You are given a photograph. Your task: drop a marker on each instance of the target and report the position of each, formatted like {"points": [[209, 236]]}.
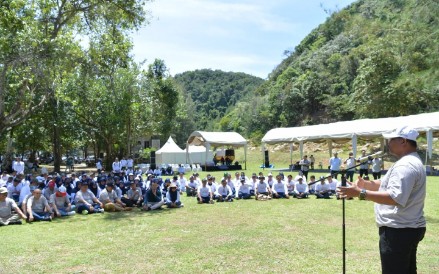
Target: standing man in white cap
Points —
{"points": [[399, 202]]}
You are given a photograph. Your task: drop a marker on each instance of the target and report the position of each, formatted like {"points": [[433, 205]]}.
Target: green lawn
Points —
{"points": [[278, 236]]}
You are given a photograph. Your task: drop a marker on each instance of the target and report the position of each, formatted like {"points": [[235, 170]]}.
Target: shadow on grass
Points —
{"points": [[432, 220], [136, 213]]}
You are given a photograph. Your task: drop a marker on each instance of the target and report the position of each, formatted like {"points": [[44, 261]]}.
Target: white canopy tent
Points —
{"points": [[216, 139], [170, 153], [198, 154], [339, 132]]}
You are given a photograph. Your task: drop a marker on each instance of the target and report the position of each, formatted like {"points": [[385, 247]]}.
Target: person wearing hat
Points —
{"points": [[109, 199], [225, 193], [270, 180], [173, 197], [60, 203], [86, 202], [165, 187], [399, 202], [334, 165], [322, 189], [153, 197], [300, 189], [134, 195], [205, 195], [7, 208], [38, 208], [49, 189]]}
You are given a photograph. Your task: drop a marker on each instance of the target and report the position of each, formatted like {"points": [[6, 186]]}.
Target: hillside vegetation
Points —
{"points": [[375, 58], [210, 93]]}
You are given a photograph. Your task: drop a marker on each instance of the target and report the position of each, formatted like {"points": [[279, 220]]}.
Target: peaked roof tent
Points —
{"points": [[217, 139], [346, 131], [169, 146]]}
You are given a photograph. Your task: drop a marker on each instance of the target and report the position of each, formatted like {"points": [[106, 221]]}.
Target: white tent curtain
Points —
{"points": [[429, 143], [354, 145]]}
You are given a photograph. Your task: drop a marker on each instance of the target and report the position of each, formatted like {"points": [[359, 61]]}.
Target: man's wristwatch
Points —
{"points": [[363, 194]]}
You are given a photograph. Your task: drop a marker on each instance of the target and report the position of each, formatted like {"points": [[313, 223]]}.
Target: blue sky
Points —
{"points": [[242, 36]]}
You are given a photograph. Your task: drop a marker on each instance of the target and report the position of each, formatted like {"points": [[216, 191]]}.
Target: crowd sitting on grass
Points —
{"points": [[49, 196]]}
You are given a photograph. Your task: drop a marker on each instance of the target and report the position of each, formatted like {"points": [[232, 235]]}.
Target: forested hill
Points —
{"points": [[210, 93], [375, 58]]}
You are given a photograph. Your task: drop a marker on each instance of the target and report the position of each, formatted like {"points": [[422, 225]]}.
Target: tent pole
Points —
{"points": [[245, 157], [263, 155]]}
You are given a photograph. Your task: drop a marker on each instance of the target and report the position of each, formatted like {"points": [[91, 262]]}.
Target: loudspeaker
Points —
{"points": [[266, 159], [152, 157]]}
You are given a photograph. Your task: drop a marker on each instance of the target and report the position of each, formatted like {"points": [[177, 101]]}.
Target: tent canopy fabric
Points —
{"points": [[169, 146], [426, 123], [344, 131], [216, 139], [170, 153]]}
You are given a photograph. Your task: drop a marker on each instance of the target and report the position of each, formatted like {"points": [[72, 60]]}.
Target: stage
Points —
{"points": [[221, 168]]}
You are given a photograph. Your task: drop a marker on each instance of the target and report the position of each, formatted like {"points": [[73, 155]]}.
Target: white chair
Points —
{"points": [[187, 168]]}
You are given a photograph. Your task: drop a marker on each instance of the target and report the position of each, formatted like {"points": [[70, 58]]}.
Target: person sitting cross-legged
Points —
{"points": [[134, 196], [7, 208], [173, 197], [109, 199], [153, 197], [60, 203], [279, 189], [225, 193], [301, 189], [322, 189], [86, 201], [191, 188], [244, 190], [263, 190], [205, 195], [290, 185], [38, 208]]}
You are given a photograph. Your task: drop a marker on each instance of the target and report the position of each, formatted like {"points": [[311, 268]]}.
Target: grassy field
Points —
{"points": [[278, 236]]}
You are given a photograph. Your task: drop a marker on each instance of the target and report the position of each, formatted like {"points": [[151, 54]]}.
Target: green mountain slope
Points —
{"points": [[375, 58], [210, 93]]}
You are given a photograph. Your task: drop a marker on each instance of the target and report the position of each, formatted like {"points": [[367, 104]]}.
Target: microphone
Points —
{"points": [[370, 157]]}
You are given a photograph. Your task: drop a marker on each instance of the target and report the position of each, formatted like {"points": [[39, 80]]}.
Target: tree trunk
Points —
{"points": [[56, 138], [109, 158], [7, 157]]}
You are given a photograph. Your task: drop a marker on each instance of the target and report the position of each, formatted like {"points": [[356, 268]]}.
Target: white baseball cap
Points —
{"points": [[405, 132]]}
